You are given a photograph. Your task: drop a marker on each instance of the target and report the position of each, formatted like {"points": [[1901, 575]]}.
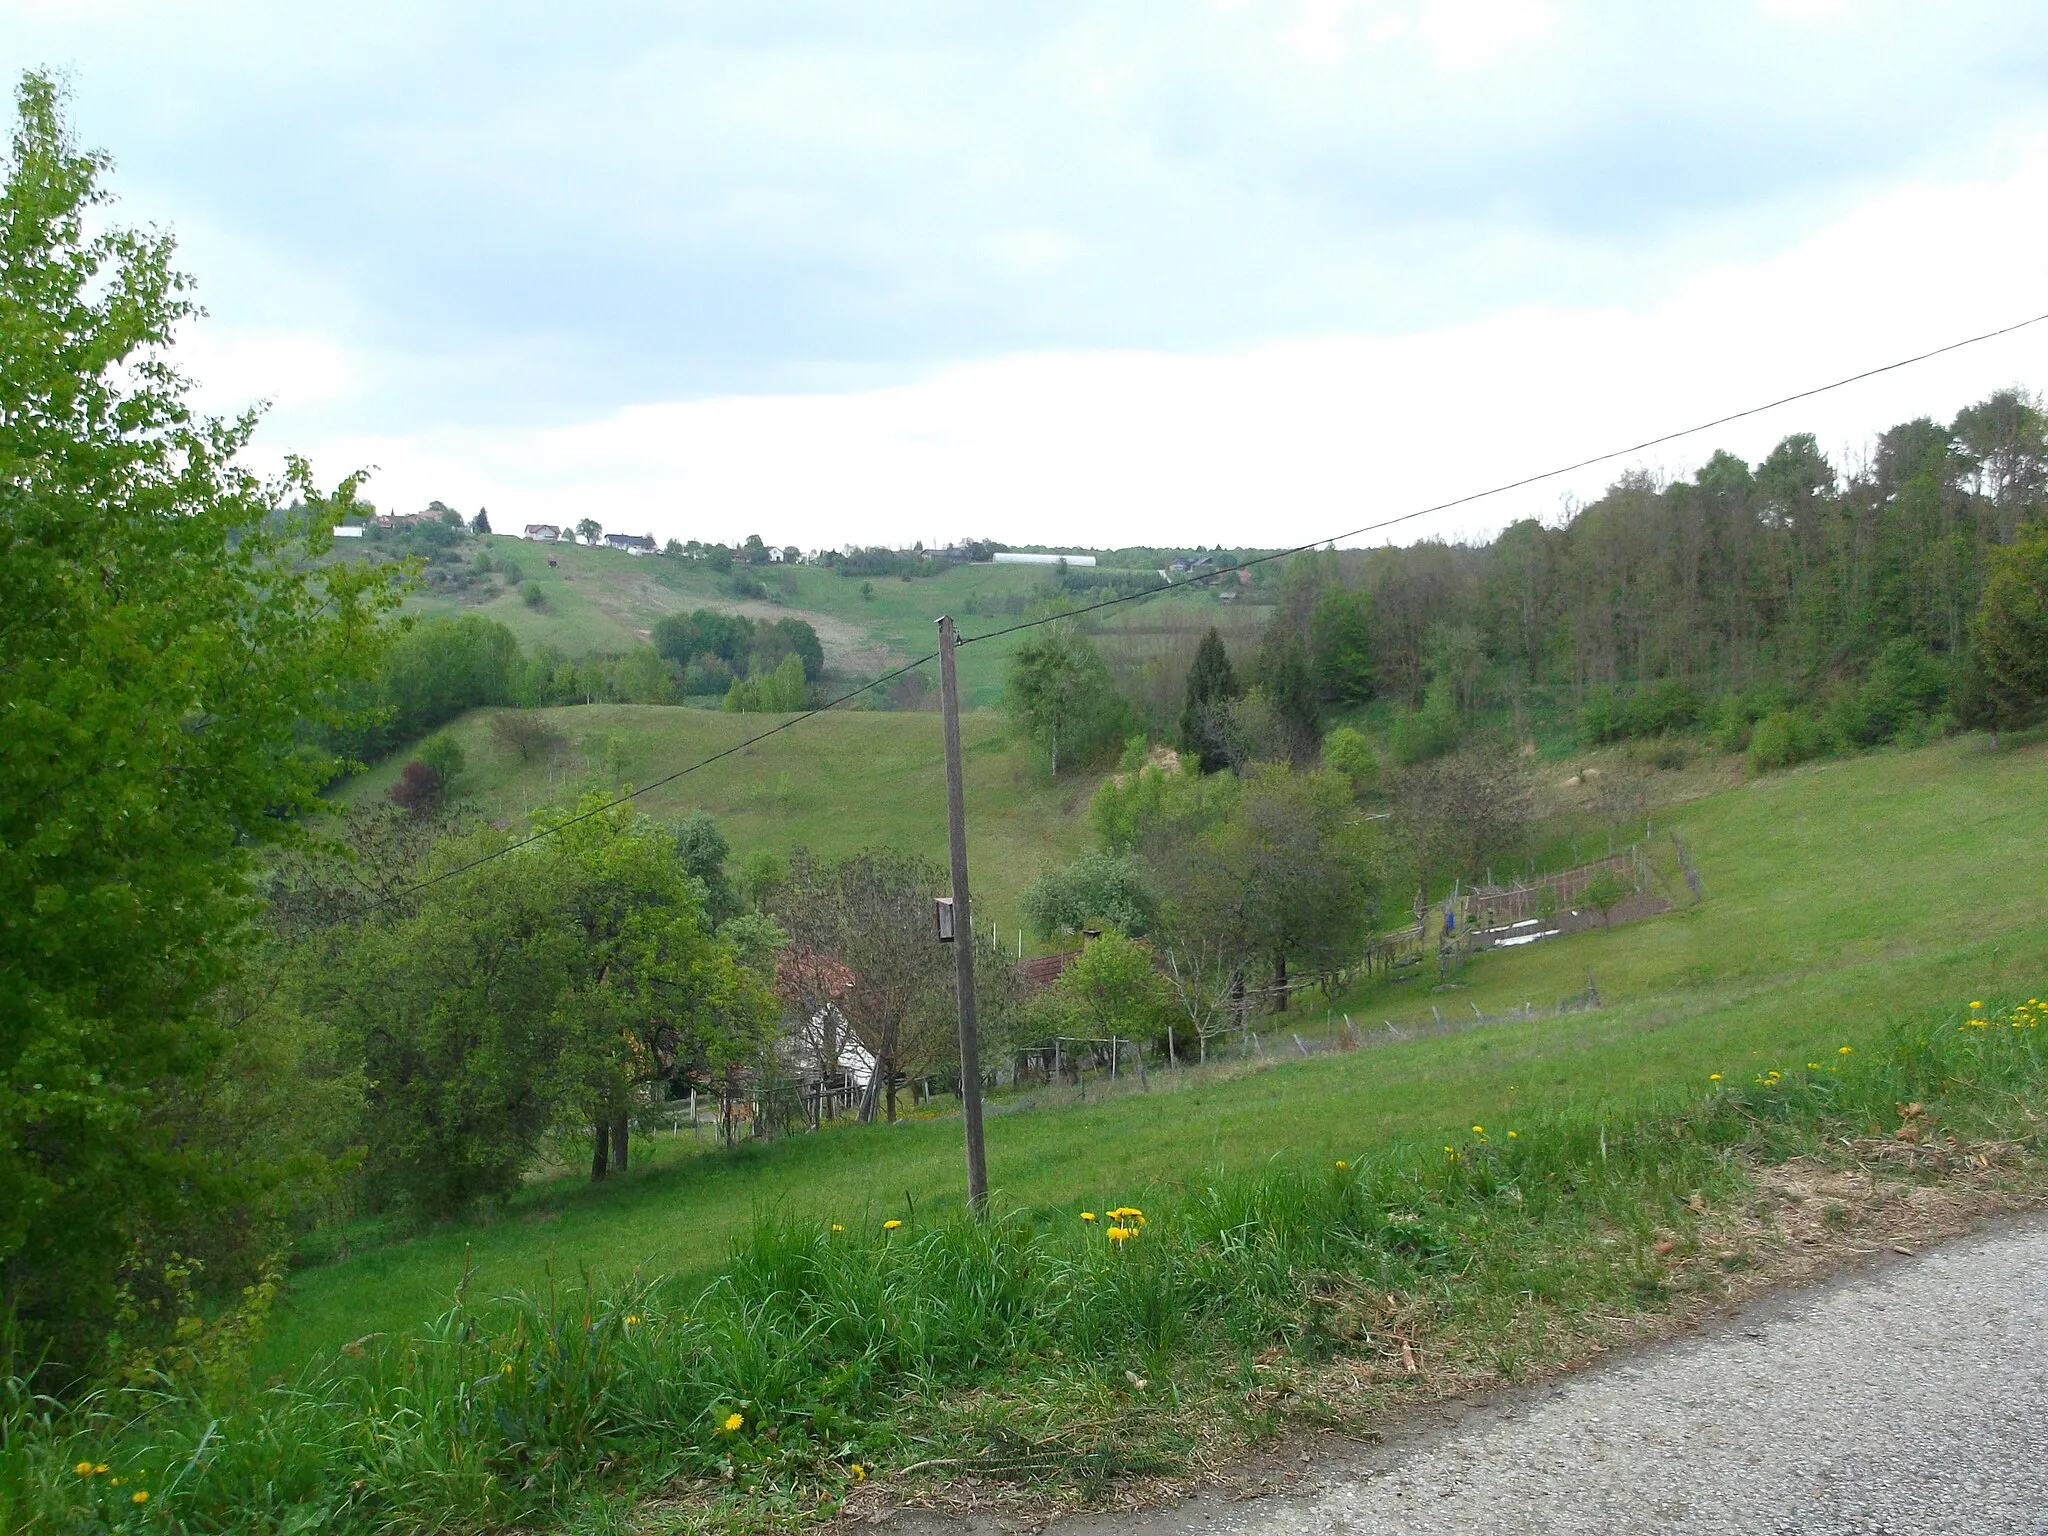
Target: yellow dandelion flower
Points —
{"points": [[1478, 1130], [83, 1469], [860, 1473], [1120, 1235], [1087, 1215], [731, 1423], [1512, 1135], [837, 1228], [1342, 1165], [100, 1470], [632, 1319], [139, 1496], [1713, 1077], [891, 1224], [1813, 1066], [1846, 1050], [505, 1369]]}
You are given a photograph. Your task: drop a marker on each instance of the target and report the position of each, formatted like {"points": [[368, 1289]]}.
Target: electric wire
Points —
{"points": [[1207, 576], [1526, 480]]}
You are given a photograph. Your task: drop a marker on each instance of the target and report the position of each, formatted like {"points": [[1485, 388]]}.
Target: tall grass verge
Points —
{"points": [[1037, 1346]]}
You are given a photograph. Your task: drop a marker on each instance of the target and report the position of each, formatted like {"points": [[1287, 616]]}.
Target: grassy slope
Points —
{"points": [[1839, 897], [605, 600], [835, 784]]}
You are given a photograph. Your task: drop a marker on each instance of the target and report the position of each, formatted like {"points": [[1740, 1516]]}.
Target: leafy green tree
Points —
{"points": [[589, 529], [169, 634], [1288, 877], [1346, 751], [481, 523], [703, 850], [1097, 888], [1604, 892], [1060, 694], [1340, 644], [2011, 628], [443, 753], [1212, 688], [1112, 989]]}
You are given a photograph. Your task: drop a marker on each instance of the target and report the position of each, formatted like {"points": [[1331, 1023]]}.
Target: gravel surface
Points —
{"points": [[1911, 1397]]}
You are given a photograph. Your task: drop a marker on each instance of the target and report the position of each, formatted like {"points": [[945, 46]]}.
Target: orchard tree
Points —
{"points": [[589, 530], [170, 635]]}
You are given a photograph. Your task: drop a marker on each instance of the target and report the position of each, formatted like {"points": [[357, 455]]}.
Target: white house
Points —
{"points": [[349, 531], [543, 533]]}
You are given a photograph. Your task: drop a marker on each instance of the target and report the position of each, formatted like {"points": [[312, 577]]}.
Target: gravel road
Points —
{"points": [[1910, 1397]]}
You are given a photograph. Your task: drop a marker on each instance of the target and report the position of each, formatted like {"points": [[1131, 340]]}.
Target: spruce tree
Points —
{"points": [[1212, 686]]}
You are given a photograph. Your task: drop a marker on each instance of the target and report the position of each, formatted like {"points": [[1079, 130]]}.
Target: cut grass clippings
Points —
{"points": [[1037, 1353]]}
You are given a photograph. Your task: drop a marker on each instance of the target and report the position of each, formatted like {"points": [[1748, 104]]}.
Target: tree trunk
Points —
{"points": [[600, 1142], [1279, 981], [619, 1129]]}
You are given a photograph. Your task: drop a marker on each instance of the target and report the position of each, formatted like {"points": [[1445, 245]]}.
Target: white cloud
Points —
{"points": [[1291, 442]]}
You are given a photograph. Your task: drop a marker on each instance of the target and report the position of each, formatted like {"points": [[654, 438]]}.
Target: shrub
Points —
{"points": [[418, 788], [536, 599], [1431, 731], [1783, 738], [1349, 753]]}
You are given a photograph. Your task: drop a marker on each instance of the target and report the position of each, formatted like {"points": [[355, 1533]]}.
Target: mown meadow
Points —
{"points": [[1840, 899]]}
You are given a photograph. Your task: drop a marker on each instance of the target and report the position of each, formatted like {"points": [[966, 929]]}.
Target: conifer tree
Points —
{"points": [[1212, 688]]}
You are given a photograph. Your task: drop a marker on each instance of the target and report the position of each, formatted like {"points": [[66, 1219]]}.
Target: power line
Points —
{"points": [[1528, 480], [1280, 554], [634, 794]]}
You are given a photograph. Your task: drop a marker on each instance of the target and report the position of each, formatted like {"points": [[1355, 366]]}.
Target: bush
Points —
{"points": [[1655, 709], [1347, 752], [1784, 738], [536, 599], [1431, 731], [418, 789]]}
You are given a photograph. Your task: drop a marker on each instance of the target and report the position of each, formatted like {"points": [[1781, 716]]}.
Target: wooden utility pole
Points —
{"points": [[963, 928]]}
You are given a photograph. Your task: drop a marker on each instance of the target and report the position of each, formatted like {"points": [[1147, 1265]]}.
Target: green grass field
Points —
{"points": [[845, 781], [1840, 898]]}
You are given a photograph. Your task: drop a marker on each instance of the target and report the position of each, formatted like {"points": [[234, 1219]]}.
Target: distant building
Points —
{"points": [[348, 531], [543, 533], [1014, 557], [631, 543], [395, 520]]}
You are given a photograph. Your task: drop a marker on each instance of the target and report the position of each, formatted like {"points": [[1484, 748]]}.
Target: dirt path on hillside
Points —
{"points": [[1909, 1396]]}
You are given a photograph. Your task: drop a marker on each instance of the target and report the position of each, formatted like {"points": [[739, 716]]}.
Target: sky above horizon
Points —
{"points": [[1076, 273]]}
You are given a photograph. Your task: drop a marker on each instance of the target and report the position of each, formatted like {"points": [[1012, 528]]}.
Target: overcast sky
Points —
{"points": [[1065, 272]]}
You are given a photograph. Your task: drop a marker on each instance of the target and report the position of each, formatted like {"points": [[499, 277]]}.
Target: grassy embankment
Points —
{"points": [[834, 785], [1841, 899]]}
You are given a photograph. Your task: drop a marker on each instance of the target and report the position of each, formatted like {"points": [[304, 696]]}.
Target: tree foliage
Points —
{"points": [[1060, 694], [1204, 718], [2011, 628], [167, 637]]}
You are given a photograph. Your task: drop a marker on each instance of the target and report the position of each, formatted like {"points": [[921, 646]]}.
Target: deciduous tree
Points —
{"points": [[167, 632]]}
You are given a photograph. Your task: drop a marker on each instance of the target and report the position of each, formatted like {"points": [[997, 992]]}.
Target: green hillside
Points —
{"points": [[604, 600], [1839, 899], [843, 781]]}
